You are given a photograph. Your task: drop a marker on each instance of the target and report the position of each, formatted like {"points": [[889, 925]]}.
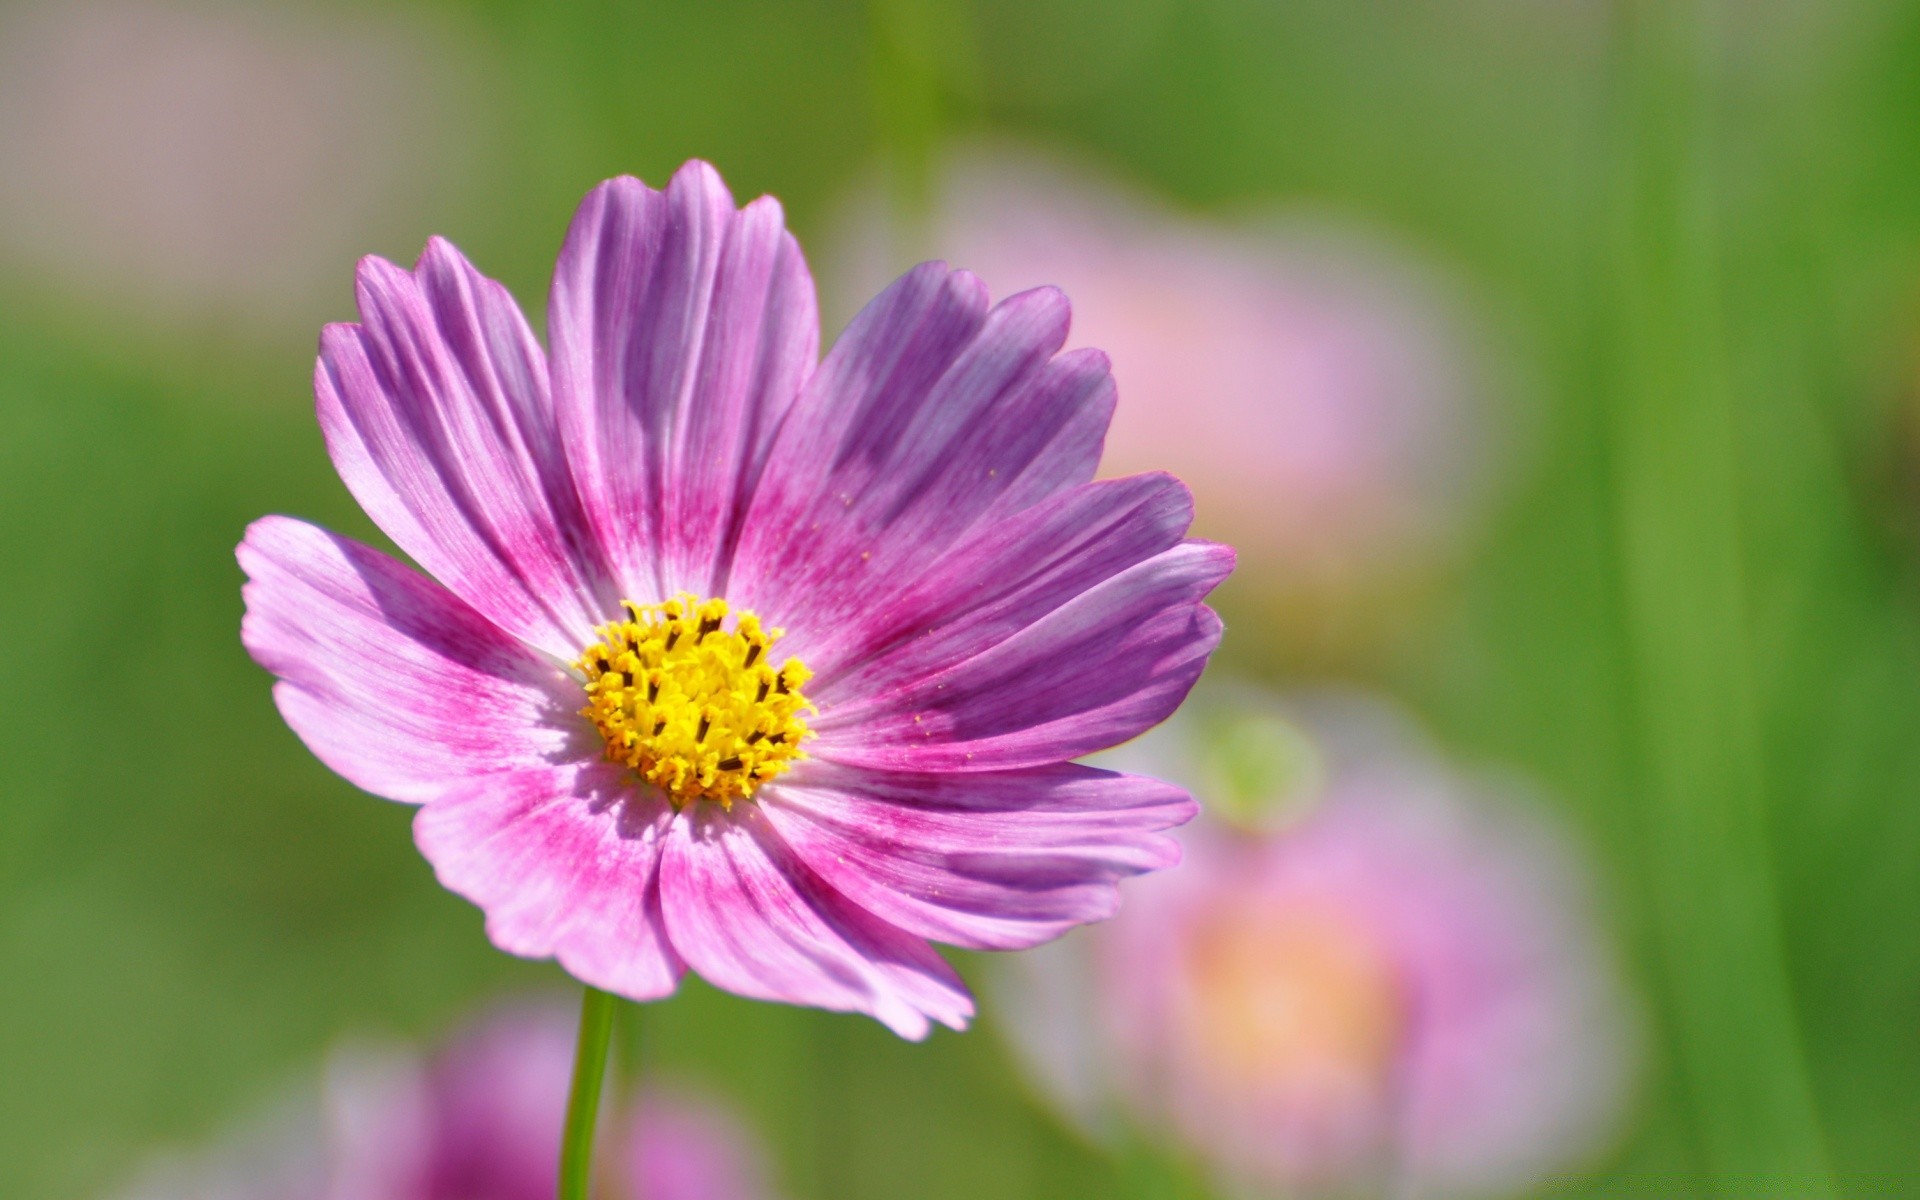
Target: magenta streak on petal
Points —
{"points": [[436, 412], [749, 917], [1003, 577], [389, 678], [931, 413], [986, 860], [564, 861], [681, 333], [1094, 672]]}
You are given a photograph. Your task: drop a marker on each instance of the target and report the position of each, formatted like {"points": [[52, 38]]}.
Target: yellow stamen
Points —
{"points": [[692, 706]]}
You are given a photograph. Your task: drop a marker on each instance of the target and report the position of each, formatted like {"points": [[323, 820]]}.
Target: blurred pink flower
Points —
{"points": [[198, 159], [681, 1146], [479, 1119], [1401, 991], [1311, 386]]}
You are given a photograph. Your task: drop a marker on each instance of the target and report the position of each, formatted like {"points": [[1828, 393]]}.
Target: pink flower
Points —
{"points": [[479, 1119], [680, 1146], [1312, 385], [1399, 991], [735, 662]]}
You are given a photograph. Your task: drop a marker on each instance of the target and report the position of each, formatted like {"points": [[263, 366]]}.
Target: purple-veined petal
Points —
{"points": [[1002, 578], [932, 413], [682, 329], [1092, 673], [389, 678], [986, 860], [564, 861], [751, 918], [437, 414]]}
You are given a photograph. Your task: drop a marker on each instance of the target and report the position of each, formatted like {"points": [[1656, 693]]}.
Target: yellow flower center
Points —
{"points": [[692, 706]]}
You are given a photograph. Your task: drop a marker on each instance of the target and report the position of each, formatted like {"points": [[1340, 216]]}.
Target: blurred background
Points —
{"points": [[1553, 363]]}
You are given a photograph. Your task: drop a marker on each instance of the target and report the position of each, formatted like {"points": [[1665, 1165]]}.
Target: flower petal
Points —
{"points": [[985, 860], [1092, 673], [389, 678], [682, 329], [565, 863], [750, 918], [436, 412], [931, 414], [999, 580]]}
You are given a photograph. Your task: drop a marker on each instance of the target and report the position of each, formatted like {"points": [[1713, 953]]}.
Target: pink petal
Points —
{"points": [[389, 678], [436, 412], [986, 860], [931, 414], [1002, 578], [1092, 673], [682, 330], [750, 918], [564, 861]]}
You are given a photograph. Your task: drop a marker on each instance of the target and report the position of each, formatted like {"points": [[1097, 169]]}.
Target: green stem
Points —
{"points": [[583, 1102]]}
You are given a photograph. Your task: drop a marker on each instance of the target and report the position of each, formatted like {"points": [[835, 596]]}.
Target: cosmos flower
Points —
{"points": [[1392, 988], [731, 661], [1313, 384], [478, 1119]]}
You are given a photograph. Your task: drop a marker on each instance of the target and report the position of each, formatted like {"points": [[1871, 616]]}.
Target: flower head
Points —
{"points": [[1398, 989], [731, 660], [477, 1119]]}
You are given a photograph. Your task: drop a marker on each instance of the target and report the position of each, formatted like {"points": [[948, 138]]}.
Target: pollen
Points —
{"points": [[692, 702]]}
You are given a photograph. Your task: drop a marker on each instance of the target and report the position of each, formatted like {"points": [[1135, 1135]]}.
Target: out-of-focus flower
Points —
{"points": [[681, 1146], [1313, 386], [479, 1119], [732, 662], [209, 160], [1395, 987]]}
